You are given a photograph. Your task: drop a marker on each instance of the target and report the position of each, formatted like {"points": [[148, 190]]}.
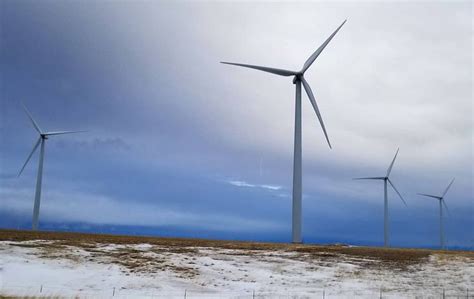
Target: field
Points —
{"points": [[86, 265]]}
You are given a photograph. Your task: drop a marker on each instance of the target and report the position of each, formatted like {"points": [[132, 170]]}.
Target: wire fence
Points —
{"points": [[122, 292]]}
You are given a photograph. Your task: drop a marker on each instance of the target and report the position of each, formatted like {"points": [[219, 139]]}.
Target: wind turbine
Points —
{"points": [[441, 203], [298, 79], [41, 140], [385, 205]]}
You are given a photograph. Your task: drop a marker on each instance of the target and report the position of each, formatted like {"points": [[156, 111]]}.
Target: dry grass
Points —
{"points": [[135, 261]]}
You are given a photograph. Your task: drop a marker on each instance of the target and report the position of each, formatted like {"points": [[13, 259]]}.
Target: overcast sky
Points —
{"points": [[177, 141]]}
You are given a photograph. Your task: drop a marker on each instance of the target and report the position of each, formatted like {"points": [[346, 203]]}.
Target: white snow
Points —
{"points": [[67, 271]]}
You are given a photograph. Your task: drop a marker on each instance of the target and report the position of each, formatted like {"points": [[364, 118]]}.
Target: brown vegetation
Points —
{"points": [[136, 261]]}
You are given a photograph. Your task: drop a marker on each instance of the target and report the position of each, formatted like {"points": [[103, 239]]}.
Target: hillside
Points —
{"points": [[87, 265]]}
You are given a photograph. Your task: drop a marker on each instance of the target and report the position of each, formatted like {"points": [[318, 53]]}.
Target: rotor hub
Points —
{"points": [[298, 76]]}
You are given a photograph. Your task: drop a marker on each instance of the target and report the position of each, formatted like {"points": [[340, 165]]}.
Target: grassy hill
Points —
{"points": [[168, 266]]}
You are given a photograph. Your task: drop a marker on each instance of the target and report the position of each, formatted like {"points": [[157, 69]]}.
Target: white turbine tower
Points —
{"points": [[41, 140], [298, 78], [385, 205], [441, 203]]}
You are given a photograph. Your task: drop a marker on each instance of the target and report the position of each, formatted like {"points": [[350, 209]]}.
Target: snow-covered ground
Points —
{"points": [[51, 268]]}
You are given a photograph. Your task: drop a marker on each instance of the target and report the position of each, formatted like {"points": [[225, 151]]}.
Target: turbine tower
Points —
{"points": [[41, 140], [441, 203], [298, 79], [386, 180]]}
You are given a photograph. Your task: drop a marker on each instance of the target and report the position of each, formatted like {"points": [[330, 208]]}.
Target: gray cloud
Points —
{"points": [[104, 144], [408, 84], [59, 206]]}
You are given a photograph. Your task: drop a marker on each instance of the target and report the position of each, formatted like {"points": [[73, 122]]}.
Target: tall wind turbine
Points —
{"points": [[386, 179], [41, 140], [298, 78], [441, 203]]}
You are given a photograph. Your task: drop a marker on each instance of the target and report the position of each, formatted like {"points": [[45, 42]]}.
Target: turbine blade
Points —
{"points": [[370, 178], [393, 161], [315, 55], [309, 92], [31, 118], [446, 207], [62, 132], [31, 154], [265, 69], [427, 195], [394, 188], [447, 188]]}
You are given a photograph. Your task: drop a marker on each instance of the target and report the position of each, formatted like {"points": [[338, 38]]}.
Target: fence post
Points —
{"points": [[444, 295], [380, 293], [41, 289], [113, 292], [324, 294], [185, 294], [253, 294], [467, 293]]}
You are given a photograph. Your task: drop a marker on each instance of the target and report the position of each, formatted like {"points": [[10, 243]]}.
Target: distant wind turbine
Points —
{"points": [[441, 203], [298, 78], [385, 180], [41, 140]]}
